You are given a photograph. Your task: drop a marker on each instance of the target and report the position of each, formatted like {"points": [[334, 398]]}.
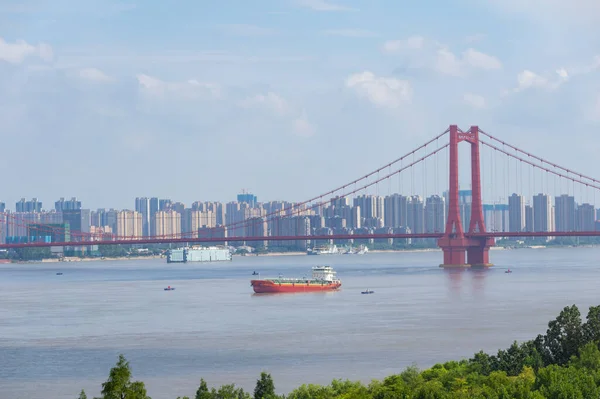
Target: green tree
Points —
{"points": [[82, 395], [265, 388], [589, 357], [202, 392], [119, 385], [556, 382], [31, 253], [563, 337], [229, 391], [591, 328]]}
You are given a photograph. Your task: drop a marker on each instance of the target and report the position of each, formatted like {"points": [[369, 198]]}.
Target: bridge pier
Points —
{"points": [[479, 255], [454, 250]]}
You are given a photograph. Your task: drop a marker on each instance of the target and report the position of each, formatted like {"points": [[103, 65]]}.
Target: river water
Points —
{"points": [[62, 333]]}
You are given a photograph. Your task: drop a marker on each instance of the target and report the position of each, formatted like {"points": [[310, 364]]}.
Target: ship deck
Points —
{"points": [[299, 281]]}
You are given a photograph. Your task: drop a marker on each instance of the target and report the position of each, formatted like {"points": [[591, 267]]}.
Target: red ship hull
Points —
{"points": [[264, 286]]}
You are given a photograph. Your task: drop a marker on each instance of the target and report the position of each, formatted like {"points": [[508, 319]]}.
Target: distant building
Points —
{"points": [[395, 210], [142, 206], [435, 214], [496, 217], [257, 227], [28, 206], [167, 224], [586, 217], [542, 213], [129, 224], [70, 205], [248, 198], [528, 218], [79, 222], [516, 213], [565, 215]]}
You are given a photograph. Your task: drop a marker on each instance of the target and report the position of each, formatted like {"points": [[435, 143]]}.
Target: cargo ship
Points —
{"points": [[323, 279]]}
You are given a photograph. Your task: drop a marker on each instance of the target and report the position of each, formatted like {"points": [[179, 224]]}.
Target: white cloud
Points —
{"points": [[95, 75], [480, 60], [428, 54], [302, 127], [323, 5], [531, 80], [383, 92], [412, 43], [350, 32], [551, 81], [270, 100], [190, 89], [16, 52], [245, 30], [474, 100], [447, 63]]}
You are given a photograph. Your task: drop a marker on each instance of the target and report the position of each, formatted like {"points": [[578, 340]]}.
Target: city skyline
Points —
{"points": [[280, 90], [360, 214]]}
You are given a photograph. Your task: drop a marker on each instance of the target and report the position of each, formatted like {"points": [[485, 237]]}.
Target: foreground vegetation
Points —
{"points": [[562, 364]]}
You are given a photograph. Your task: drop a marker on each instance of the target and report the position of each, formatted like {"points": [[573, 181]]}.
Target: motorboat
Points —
{"points": [[169, 288], [508, 271], [367, 292]]}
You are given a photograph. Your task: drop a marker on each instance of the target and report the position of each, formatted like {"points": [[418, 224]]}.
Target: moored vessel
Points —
{"points": [[323, 279]]}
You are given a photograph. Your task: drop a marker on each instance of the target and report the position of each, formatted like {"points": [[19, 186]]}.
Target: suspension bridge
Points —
{"points": [[462, 245]]}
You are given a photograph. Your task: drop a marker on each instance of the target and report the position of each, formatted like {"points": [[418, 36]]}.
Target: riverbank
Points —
{"points": [[101, 259]]}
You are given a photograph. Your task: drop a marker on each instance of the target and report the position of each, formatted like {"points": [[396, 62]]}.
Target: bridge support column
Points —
{"points": [[454, 243]]}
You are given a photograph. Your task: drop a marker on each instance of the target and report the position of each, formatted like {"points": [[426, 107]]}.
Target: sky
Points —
{"points": [[199, 100]]}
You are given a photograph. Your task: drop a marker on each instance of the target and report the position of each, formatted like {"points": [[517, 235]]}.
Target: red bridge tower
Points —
{"points": [[454, 244]]}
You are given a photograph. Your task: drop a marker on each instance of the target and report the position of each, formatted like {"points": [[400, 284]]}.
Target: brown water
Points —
{"points": [[59, 334]]}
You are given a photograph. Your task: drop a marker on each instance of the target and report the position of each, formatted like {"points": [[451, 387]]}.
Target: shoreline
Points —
{"points": [[270, 254]]}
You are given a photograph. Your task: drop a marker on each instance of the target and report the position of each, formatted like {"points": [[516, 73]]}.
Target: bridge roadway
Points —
{"points": [[212, 240]]}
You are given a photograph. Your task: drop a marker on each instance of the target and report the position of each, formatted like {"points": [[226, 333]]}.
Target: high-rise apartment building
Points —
{"points": [[528, 218], [565, 215], [142, 206], [516, 213], [28, 206], [586, 217], [257, 227], [167, 224], [248, 198], [496, 217], [542, 213], [435, 214], [71, 205], [129, 224], [395, 210], [415, 214]]}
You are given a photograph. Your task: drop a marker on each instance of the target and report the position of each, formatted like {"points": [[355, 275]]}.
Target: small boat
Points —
{"points": [[367, 292], [169, 288], [59, 274], [508, 271], [255, 274]]}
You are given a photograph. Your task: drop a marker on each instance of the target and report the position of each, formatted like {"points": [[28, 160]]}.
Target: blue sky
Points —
{"points": [[195, 100]]}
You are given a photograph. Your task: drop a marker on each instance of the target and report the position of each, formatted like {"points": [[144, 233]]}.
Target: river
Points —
{"points": [[62, 333]]}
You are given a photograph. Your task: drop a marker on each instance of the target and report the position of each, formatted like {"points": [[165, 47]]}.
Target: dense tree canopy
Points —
{"points": [[563, 363]]}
